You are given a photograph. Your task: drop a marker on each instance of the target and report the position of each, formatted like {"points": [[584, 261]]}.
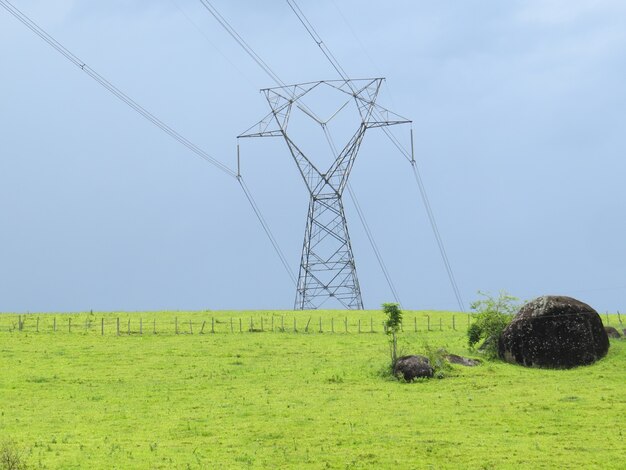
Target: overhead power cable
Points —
{"points": [[433, 224], [113, 89], [266, 228], [337, 66], [409, 156], [268, 70], [370, 237], [30, 24], [317, 38], [208, 40], [366, 227], [244, 45]]}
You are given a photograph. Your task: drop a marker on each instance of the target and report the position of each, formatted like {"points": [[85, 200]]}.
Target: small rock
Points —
{"points": [[612, 332], [462, 361], [412, 367]]}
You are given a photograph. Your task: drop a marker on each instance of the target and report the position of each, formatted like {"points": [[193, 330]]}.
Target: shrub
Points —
{"points": [[393, 324], [492, 316], [438, 360], [11, 458]]}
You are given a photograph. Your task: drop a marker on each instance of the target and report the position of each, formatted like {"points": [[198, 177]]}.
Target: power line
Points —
{"points": [[366, 228], [433, 224], [370, 237], [266, 228], [317, 38], [410, 157], [268, 70], [30, 24], [342, 73], [113, 89], [206, 37], [244, 45], [363, 48]]}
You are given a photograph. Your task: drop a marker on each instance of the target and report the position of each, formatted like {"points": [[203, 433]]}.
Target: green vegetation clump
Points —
{"points": [[393, 324], [11, 456], [492, 316], [438, 360]]}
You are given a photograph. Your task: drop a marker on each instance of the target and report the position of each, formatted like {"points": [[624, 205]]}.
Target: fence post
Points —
{"points": [[272, 323], [282, 323], [154, 326], [240, 328], [118, 326], [371, 325], [37, 324], [321, 331], [54, 324], [128, 326], [415, 324], [359, 325], [262, 327], [306, 328], [428, 319], [202, 329], [332, 324], [231, 325], [140, 326], [440, 324], [69, 325], [345, 322], [102, 326], [213, 324], [251, 325], [176, 324], [607, 317], [453, 323], [295, 325], [190, 327], [619, 318]]}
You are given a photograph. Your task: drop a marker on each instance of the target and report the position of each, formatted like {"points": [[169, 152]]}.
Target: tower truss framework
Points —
{"points": [[327, 266]]}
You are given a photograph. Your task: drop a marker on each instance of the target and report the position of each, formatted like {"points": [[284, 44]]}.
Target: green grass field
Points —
{"points": [[285, 399]]}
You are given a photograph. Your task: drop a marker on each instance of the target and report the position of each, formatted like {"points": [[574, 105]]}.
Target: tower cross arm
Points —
{"points": [[272, 133], [382, 117], [262, 128], [373, 124]]}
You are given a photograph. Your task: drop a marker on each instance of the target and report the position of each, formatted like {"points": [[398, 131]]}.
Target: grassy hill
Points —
{"points": [[71, 397]]}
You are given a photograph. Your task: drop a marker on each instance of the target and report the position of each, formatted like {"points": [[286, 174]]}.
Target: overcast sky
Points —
{"points": [[520, 135]]}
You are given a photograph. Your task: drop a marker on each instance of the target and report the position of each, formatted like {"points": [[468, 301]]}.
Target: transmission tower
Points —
{"points": [[327, 267]]}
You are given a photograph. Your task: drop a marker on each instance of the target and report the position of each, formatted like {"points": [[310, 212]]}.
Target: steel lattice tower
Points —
{"points": [[327, 267]]}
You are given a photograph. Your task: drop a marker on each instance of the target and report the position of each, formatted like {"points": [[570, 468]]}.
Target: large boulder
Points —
{"points": [[412, 367], [555, 332]]}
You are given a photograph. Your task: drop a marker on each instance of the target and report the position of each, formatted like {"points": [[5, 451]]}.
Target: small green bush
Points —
{"points": [[393, 324], [11, 457], [492, 316], [438, 360]]}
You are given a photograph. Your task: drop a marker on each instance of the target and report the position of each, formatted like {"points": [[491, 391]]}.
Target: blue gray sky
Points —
{"points": [[518, 111]]}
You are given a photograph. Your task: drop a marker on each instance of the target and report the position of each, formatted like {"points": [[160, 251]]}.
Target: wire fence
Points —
{"points": [[137, 325], [177, 325]]}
